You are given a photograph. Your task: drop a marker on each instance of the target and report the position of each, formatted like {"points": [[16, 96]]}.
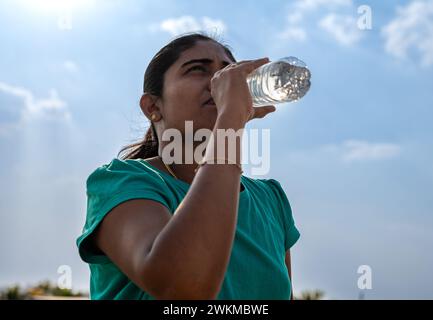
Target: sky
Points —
{"points": [[354, 156]]}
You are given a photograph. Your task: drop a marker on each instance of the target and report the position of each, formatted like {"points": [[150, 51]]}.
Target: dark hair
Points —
{"points": [[153, 84]]}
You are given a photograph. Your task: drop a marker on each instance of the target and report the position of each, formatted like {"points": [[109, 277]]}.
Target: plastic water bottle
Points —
{"points": [[283, 80]]}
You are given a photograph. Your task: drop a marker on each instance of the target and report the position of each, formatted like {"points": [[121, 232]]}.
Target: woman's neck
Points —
{"points": [[183, 170]]}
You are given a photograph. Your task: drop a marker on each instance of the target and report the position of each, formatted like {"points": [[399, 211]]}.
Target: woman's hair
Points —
{"points": [[153, 84]]}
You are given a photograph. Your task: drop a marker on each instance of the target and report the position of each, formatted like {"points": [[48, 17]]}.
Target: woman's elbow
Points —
{"points": [[170, 285]]}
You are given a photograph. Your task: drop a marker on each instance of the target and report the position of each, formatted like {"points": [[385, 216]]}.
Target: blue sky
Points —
{"points": [[354, 155]]}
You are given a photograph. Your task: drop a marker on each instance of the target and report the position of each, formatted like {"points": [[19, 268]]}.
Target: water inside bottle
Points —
{"points": [[285, 80]]}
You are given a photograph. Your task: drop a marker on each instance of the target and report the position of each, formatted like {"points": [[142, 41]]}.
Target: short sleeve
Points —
{"points": [[291, 234], [109, 186]]}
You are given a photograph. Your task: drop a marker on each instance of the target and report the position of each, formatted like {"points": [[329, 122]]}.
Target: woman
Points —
{"points": [[186, 231]]}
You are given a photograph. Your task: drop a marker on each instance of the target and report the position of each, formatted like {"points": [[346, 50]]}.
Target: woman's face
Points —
{"points": [[187, 87]]}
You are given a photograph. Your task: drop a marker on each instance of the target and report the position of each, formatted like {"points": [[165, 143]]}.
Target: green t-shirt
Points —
{"points": [[265, 231]]}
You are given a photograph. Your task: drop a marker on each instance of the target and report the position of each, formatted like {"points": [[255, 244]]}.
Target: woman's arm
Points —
{"points": [[183, 256], [289, 268]]}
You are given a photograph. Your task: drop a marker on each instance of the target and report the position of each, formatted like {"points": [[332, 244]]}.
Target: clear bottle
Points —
{"points": [[283, 80]]}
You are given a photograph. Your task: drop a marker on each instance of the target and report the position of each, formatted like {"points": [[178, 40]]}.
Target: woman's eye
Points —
{"points": [[198, 68]]}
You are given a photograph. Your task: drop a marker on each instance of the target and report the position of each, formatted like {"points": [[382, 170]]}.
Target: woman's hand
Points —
{"points": [[230, 92]]}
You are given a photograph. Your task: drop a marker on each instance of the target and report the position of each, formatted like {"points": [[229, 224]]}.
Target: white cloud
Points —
{"points": [[411, 30], [342, 28], [176, 26], [293, 33], [31, 108], [305, 5], [213, 25], [348, 151], [70, 66], [358, 150], [299, 9], [295, 17]]}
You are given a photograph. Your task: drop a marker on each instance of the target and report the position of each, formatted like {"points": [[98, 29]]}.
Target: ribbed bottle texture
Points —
{"points": [[283, 80]]}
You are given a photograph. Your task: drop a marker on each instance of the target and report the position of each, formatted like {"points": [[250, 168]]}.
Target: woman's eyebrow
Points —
{"points": [[204, 61]]}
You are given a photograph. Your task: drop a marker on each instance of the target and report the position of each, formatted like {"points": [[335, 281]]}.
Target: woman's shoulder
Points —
{"points": [[122, 170], [113, 183], [263, 183], [122, 164], [267, 189]]}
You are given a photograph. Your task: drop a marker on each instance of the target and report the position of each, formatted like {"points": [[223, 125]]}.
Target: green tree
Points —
{"points": [[44, 288], [311, 295], [13, 293]]}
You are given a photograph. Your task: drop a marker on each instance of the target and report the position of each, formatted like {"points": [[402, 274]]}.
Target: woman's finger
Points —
{"points": [[260, 112], [250, 65]]}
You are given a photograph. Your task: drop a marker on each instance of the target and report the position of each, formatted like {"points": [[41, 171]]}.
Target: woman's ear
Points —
{"points": [[148, 105]]}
